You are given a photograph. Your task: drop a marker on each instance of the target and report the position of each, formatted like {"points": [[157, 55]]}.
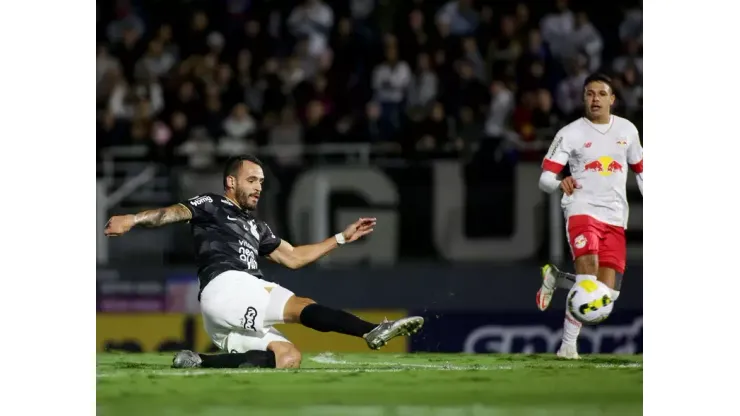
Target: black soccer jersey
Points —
{"points": [[226, 237]]}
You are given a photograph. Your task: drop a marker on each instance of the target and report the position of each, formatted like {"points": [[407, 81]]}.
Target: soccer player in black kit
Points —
{"points": [[239, 307]]}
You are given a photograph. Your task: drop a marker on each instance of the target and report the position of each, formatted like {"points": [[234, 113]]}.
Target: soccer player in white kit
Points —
{"points": [[240, 307], [598, 149]]}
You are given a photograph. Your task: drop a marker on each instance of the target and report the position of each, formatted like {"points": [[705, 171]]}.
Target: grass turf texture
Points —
{"points": [[374, 385]]}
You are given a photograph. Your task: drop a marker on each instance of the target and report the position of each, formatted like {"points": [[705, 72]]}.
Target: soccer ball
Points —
{"points": [[590, 302]]}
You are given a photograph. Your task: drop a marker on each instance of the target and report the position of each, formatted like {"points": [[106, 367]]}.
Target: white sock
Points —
{"points": [[571, 327]]}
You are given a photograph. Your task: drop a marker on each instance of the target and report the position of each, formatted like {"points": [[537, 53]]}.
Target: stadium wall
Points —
{"points": [[468, 308], [442, 211]]}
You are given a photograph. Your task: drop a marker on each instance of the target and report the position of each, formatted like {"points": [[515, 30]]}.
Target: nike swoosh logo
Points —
{"points": [[232, 219]]}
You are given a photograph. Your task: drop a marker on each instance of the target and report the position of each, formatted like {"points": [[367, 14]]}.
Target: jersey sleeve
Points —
{"points": [[558, 154], [201, 207], [634, 153], [268, 241]]}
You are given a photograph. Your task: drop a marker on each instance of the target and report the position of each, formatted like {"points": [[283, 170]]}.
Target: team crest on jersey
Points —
{"points": [[604, 166], [253, 229], [622, 142], [581, 241]]}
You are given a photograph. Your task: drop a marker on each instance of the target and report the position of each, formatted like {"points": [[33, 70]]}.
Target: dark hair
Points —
{"points": [[231, 168], [599, 77]]}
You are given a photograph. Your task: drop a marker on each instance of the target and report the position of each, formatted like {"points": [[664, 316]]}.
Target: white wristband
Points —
{"points": [[340, 238]]}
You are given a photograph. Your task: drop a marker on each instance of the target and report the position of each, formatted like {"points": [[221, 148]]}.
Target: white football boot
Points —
{"points": [[568, 352], [549, 284]]}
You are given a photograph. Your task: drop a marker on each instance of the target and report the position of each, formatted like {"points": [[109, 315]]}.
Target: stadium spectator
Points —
{"points": [[432, 133], [125, 21], [424, 86], [391, 80], [472, 55], [631, 57], [631, 91], [105, 63], [350, 81], [469, 131], [313, 20], [631, 26], [569, 96], [504, 51], [287, 132], [126, 99], [156, 62], [556, 28], [128, 51], [461, 17], [239, 124], [499, 111], [587, 40]]}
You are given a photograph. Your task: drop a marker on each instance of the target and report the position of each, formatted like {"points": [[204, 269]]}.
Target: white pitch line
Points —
{"points": [[328, 358], [195, 373], [631, 365]]}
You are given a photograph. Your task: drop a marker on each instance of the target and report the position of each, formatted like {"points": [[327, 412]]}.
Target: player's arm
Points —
{"points": [[121, 224], [553, 163], [163, 216], [634, 158], [296, 257]]}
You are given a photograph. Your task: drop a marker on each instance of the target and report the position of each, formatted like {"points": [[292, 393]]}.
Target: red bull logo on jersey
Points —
{"points": [[604, 165]]}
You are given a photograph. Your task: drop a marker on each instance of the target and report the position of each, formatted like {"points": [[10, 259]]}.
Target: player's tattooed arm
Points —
{"points": [[121, 224], [162, 216]]}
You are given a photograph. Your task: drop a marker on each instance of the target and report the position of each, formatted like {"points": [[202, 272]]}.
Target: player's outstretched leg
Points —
{"points": [[325, 319], [190, 359], [552, 279], [549, 285]]}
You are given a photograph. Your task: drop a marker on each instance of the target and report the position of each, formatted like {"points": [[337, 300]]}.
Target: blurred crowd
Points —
{"points": [[418, 78]]}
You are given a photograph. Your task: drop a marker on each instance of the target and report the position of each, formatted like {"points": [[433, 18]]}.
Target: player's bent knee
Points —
{"points": [[286, 354], [291, 359]]}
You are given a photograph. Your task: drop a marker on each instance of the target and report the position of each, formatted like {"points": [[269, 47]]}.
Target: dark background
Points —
{"points": [[182, 85]]}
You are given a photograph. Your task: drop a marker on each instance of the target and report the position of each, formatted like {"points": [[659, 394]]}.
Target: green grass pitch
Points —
{"points": [[375, 384]]}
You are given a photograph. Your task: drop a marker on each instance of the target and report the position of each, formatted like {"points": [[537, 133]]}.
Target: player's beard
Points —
{"points": [[242, 197]]}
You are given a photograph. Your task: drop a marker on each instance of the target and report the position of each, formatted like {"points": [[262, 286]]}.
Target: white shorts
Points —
{"points": [[239, 312]]}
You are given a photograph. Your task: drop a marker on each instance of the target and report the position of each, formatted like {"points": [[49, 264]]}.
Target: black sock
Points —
{"points": [[262, 359], [325, 319]]}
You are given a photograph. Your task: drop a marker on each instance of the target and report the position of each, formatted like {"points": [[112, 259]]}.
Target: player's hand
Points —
{"points": [[569, 185], [119, 225], [359, 229]]}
